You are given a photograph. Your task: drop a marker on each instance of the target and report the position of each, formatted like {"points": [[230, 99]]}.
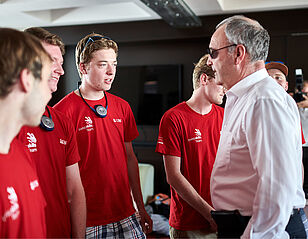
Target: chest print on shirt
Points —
{"points": [[197, 136], [62, 141], [117, 120], [89, 124], [14, 211], [31, 142]]}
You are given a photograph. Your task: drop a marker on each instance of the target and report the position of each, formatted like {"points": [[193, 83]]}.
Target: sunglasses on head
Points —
{"points": [[93, 39], [214, 52]]}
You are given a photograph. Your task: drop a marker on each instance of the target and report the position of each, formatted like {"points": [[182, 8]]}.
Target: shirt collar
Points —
{"points": [[241, 87]]}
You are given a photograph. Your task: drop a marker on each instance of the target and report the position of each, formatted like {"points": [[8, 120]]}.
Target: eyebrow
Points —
{"points": [[106, 61]]}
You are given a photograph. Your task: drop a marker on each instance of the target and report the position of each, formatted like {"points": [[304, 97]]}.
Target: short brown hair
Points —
{"points": [[90, 44], [202, 68], [18, 51], [47, 37]]}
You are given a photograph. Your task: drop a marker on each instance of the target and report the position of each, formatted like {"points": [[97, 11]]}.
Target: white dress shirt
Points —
{"points": [[258, 163]]}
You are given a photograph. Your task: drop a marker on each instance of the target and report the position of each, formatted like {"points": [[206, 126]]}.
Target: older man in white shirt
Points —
{"points": [[258, 164]]}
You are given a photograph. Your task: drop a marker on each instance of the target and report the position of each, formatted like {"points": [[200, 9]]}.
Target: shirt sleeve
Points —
{"points": [[273, 136], [130, 127], [169, 138], [72, 153]]}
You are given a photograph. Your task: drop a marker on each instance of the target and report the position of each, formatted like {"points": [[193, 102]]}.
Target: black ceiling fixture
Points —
{"points": [[175, 12]]}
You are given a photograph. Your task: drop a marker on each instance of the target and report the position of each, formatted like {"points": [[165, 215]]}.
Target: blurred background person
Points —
{"points": [[24, 92]]}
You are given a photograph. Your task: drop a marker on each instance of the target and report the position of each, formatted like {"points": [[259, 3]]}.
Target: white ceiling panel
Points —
{"points": [[25, 13]]}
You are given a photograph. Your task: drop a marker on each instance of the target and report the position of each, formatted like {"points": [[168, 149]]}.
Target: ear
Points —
{"points": [[203, 79], [83, 68], [240, 53], [26, 80], [287, 86]]}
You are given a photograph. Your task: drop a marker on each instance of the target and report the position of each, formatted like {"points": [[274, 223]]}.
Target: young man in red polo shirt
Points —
{"points": [[24, 92], [188, 139], [54, 149], [105, 127]]}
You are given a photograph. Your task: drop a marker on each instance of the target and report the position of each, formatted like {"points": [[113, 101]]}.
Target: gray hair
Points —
{"points": [[248, 32]]}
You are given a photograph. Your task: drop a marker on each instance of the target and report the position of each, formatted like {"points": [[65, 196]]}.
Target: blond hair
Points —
{"points": [[202, 68]]}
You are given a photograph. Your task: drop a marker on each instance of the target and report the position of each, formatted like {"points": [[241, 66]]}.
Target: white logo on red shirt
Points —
{"points": [[198, 137], [32, 142], [88, 120], [34, 184], [14, 211], [62, 141], [117, 120], [89, 124]]}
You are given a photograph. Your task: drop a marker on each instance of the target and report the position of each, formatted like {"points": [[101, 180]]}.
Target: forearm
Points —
{"points": [[78, 214], [134, 181], [77, 201], [187, 192]]}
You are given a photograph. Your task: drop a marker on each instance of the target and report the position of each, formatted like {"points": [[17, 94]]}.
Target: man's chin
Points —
{"points": [[53, 85], [53, 89]]}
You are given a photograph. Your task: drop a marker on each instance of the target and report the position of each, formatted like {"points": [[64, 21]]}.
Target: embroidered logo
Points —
{"points": [[117, 120], [34, 184], [88, 120], [32, 142], [14, 211], [198, 137], [62, 141], [89, 124]]}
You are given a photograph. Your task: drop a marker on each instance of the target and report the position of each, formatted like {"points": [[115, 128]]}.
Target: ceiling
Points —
{"points": [[21, 14]]}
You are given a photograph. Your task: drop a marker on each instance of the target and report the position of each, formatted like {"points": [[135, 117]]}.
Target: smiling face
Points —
{"points": [[39, 96], [56, 68], [99, 73]]}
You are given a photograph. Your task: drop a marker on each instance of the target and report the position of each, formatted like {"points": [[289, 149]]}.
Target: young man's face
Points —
{"points": [[56, 68], [279, 77], [101, 70], [39, 96], [214, 91]]}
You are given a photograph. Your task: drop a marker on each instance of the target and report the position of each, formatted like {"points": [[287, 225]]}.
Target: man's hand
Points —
{"points": [[209, 218], [145, 222], [213, 224], [304, 103]]}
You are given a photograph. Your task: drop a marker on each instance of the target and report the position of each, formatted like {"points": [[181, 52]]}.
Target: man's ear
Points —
{"points": [[83, 68], [240, 53], [26, 80], [203, 79]]}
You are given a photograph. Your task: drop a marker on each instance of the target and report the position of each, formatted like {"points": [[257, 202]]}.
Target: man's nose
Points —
{"points": [[110, 69], [59, 68], [209, 61]]}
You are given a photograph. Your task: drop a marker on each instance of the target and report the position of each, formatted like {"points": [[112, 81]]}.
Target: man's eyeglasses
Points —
{"points": [[93, 39], [214, 52]]}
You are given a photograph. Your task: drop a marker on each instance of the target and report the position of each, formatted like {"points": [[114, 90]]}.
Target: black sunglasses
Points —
{"points": [[214, 52], [93, 39]]}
